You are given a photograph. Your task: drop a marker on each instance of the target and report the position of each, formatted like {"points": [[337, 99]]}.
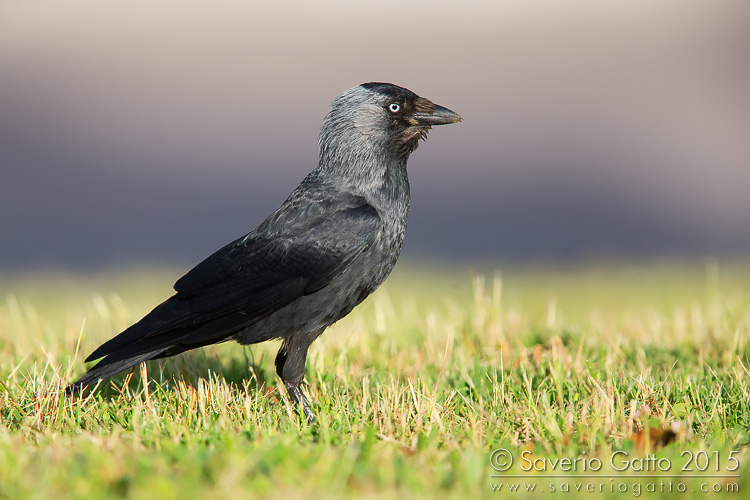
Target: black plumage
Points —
{"points": [[332, 243]]}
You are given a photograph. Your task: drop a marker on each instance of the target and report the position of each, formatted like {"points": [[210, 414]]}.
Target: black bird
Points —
{"points": [[330, 245]]}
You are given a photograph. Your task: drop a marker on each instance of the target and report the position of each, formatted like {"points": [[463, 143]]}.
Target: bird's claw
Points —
{"points": [[299, 398]]}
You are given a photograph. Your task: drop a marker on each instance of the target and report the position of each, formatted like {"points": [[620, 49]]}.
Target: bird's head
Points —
{"points": [[379, 120]]}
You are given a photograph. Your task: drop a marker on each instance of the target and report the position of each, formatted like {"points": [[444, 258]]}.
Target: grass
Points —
{"points": [[413, 391]]}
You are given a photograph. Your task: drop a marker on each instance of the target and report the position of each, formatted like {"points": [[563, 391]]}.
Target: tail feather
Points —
{"points": [[130, 352], [105, 369], [167, 316]]}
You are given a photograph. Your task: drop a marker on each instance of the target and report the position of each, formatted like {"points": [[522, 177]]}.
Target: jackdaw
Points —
{"points": [[329, 245]]}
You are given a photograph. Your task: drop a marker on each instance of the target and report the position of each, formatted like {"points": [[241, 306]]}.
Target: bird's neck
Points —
{"points": [[365, 170]]}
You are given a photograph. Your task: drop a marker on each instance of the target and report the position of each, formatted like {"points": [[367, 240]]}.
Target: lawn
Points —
{"points": [[607, 380]]}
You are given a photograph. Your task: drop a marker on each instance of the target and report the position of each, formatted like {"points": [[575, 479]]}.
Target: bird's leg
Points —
{"points": [[290, 365]]}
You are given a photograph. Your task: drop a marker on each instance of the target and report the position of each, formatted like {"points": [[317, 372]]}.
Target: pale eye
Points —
{"points": [[394, 108]]}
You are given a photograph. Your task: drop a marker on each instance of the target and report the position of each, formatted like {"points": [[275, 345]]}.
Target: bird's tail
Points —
{"points": [[171, 328], [108, 367]]}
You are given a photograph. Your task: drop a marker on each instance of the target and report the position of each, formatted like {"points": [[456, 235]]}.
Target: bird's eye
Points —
{"points": [[393, 108]]}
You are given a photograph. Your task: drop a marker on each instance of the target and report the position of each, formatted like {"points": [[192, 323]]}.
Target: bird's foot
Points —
{"points": [[299, 398]]}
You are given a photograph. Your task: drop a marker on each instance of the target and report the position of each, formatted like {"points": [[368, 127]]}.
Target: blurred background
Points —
{"points": [[156, 132]]}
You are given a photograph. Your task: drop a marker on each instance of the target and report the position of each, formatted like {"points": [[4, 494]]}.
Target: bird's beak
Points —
{"points": [[440, 116]]}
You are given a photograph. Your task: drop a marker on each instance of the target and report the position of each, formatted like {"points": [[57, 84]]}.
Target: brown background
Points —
{"points": [[155, 132]]}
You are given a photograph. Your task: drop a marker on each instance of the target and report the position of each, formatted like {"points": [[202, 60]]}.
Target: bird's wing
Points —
{"points": [[291, 256], [306, 255]]}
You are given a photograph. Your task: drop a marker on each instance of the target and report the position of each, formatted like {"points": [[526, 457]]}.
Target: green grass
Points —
{"points": [[413, 390]]}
